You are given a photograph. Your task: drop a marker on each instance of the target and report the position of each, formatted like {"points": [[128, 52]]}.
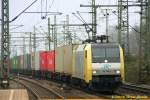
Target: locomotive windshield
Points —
{"points": [[105, 52]]}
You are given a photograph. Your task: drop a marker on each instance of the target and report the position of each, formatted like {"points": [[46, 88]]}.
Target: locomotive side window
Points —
{"points": [[85, 53]]}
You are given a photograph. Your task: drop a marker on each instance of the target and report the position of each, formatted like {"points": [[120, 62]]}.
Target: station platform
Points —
{"points": [[14, 94]]}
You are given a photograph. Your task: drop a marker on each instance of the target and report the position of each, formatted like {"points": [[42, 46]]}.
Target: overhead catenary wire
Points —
{"points": [[50, 6], [23, 11], [86, 25], [46, 8], [41, 7], [45, 3], [17, 27], [129, 24]]}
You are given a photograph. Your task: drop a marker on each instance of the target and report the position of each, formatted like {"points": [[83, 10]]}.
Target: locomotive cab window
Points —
{"points": [[105, 52], [112, 52], [98, 54]]}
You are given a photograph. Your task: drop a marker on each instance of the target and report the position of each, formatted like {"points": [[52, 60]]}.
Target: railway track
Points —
{"points": [[87, 94], [70, 91], [126, 90], [39, 91], [136, 88]]}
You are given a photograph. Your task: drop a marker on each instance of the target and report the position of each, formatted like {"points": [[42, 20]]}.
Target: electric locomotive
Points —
{"points": [[98, 65]]}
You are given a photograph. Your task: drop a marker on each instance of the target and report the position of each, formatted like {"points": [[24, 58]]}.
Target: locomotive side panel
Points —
{"points": [[122, 64], [79, 62], [88, 63]]}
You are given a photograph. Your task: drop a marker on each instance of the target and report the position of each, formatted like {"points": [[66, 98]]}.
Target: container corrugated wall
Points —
{"points": [[59, 60], [18, 62], [28, 61], [64, 59], [43, 61], [25, 61], [11, 63], [14, 62], [33, 61], [21, 62], [37, 61], [50, 61]]}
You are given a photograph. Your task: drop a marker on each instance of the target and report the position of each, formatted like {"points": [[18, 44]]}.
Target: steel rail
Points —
{"points": [[40, 85], [35, 92], [29, 89], [134, 87]]}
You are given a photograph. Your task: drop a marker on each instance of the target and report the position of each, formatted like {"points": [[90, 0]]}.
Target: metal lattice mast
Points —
{"points": [[49, 34], [148, 25], [24, 51], [5, 52], [94, 17], [69, 34], [148, 32], [34, 40], [144, 42], [123, 25], [55, 32]]}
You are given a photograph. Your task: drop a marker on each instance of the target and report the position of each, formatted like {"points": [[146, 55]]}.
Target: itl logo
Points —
{"points": [[106, 68]]}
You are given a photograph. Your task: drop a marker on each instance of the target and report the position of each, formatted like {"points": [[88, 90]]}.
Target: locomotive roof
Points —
{"points": [[105, 45]]}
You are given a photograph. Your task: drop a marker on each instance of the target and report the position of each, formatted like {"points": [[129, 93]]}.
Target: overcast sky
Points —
{"points": [[66, 7]]}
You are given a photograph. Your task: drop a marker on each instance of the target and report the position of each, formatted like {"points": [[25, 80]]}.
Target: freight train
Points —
{"points": [[93, 65]]}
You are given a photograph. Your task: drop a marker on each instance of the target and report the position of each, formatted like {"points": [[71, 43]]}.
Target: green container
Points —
{"points": [[18, 62], [14, 63]]}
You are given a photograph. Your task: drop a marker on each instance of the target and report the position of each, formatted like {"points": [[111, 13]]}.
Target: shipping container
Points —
{"points": [[25, 62], [50, 61], [59, 60], [14, 62], [21, 62], [43, 61], [33, 60], [18, 62], [64, 59], [28, 61], [37, 61]]}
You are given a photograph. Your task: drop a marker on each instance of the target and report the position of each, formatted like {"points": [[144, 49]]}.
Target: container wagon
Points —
{"points": [[63, 63]]}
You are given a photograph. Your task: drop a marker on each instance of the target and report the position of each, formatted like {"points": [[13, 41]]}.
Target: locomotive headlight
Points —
{"points": [[118, 71], [94, 72]]}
